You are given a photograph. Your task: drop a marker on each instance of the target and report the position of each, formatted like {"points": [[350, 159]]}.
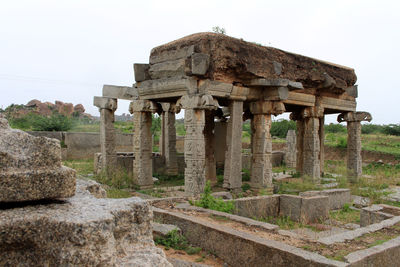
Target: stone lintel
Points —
{"points": [[142, 106], [197, 102], [105, 103], [267, 107], [141, 72], [338, 104], [120, 92], [166, 88], [354, 116], [277, 83], [300, 99], [312, 112]]}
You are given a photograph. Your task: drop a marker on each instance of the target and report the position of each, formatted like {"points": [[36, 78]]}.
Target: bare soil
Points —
{"points": [[201, 258]]}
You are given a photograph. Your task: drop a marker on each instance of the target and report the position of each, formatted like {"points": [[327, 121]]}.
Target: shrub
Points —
{"points": [[56, 122], [371, 128], [176, 241], [207, 201], [245, 187], [335, 128], [392, 129], [341, 142], [280, 128]]}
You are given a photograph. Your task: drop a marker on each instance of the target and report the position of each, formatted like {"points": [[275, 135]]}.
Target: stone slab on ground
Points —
{"points": [[305, 209], [257, 207], [79, 231], [360, 202], [337, 197], [30, 167]]}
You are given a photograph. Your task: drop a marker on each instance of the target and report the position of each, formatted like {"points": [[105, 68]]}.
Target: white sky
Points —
{"points": [[66, 50]]}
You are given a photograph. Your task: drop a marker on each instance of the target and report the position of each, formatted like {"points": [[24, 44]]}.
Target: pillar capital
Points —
{"points": [[354, 116], [142, 106], [170, 107], [267, 107], [308, 112], [197, 102], [105, 103]]}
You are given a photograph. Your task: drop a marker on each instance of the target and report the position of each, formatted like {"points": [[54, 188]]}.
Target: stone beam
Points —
{"points": [[338, 104], [354, 160], [166, 88], [142, 142], [276, 83], [300, 99], [120, 92], [195, 144]]}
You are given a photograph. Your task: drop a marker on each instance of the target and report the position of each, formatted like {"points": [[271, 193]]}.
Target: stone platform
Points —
{"points": [[80, 231]]}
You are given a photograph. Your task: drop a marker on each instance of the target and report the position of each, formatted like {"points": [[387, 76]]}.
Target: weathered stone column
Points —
{"points": [[211, 168], [311, 142], [168, 138], [261, 166], [354, 160], [308, 141], [322, 144], [291, 151], [142, 142], [195, 144], [107, 107], [233, 155]]}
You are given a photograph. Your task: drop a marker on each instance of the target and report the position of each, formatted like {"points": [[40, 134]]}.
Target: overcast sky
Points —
{"points": [[66, 50]]}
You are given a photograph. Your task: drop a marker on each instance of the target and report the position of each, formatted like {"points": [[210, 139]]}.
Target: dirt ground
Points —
{"points": [[201, 258]]}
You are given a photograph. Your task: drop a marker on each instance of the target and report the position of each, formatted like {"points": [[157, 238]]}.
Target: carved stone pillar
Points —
{"points": [[354, 160], [261, 166], [308, 141], [211, 168], [291, 151], [142, 142], [322, 144], [107, 107], [233, 155], [195, 143], [168, 138]]}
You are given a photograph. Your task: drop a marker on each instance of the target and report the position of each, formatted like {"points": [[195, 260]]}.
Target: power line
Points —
{"points": [[44, 80]]}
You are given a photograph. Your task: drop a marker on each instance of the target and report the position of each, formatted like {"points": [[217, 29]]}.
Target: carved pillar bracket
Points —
{"points": [[195, 142], [107, 107], [354, 160], [142, 141], [261, 166], [168, 137], [308, 141]]}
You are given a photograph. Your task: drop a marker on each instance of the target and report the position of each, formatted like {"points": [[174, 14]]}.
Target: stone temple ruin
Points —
{"points": [[48, 218], [218, 79]]}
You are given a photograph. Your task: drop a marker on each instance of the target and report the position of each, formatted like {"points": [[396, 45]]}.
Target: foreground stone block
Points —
{"points": [[81, 231], [337, 197], [30, 167]]}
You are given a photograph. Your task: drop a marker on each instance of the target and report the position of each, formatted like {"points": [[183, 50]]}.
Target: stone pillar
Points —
{"points": [[195, 143], [354, 160], [322, 144], [168, 138], [211, 168], [107, 107], [291, 151], [142, 142], [233, 155], [308, 141], [261, 166], [220, 142]]}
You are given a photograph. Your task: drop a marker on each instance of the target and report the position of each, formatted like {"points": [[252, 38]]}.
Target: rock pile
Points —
{"points": [[48, 218]]}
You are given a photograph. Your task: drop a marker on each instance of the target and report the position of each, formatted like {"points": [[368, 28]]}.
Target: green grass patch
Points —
{"points": [[177, 241], [117, 193], [82, 166], [207, 201], [346, 215]]}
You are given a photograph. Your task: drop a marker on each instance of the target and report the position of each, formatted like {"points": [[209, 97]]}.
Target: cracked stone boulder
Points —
{"points": [[30, 167], [79, 231]]}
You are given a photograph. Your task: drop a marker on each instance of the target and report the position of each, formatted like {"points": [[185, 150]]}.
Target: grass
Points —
{"points": [[346, 215], [169, 180], [117, 193], [284, 222], [207, 201], [297, 185], [83, 167], [177, 241]]}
